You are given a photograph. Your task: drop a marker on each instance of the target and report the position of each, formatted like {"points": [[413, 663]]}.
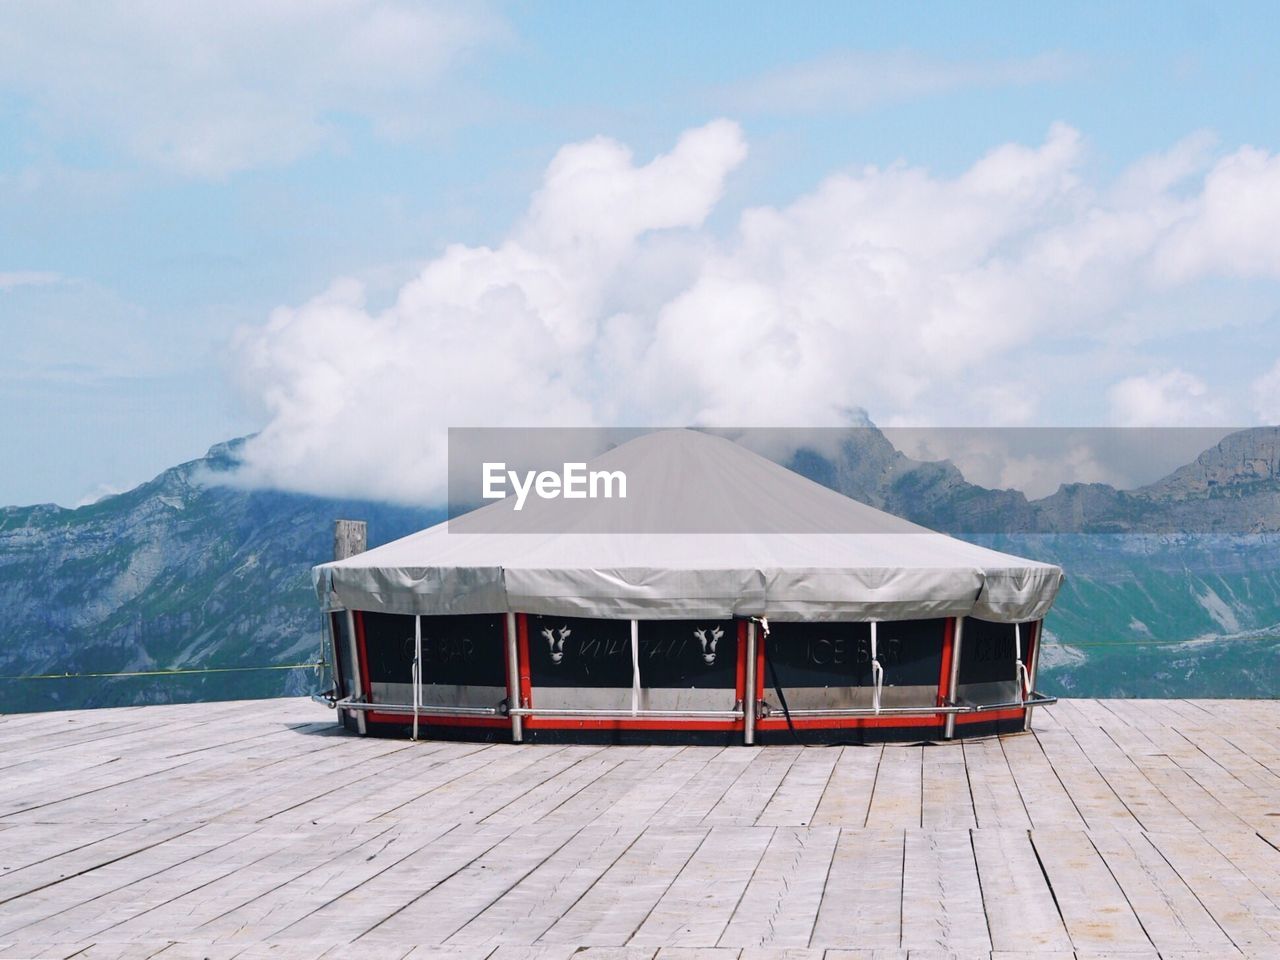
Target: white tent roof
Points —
{"points": [[795, 551]]}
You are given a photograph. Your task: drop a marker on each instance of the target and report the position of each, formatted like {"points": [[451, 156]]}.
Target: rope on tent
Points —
{"points": [[177, 671], [635, 667], [773, 676]]}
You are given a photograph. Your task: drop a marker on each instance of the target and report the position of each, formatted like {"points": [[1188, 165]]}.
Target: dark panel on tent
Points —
{"points": [[700, 654], [910, 651], [839, 654], [582, 652], [817, 655], [987, 651], [579, 652], [466, 650]]}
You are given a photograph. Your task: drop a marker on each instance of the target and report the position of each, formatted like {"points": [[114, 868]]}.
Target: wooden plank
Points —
{"points": [[1045, 799], [272, 909], [706, 789], [942, 906], [794, 802], [862, 903], [698, 905], [534, 904], [1092, 905], [353, 913], [846, 802], [946, 800], [1172, 916], [896, 799], [780, 904], [616, 905], [445, 908], [1245, 914], [1090, 792], [997, 801], [1020, 909], [751, 792]]}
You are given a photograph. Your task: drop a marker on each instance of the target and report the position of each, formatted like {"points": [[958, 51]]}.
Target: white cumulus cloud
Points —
{"points": [[1168, 399], [611, 302], [1266, 395], [504, 335]]}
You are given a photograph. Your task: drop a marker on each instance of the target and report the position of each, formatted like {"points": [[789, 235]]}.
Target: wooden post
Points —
{"points": [[351, 537]]}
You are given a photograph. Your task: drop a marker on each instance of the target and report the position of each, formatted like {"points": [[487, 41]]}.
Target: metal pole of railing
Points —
{"points": [[950, 730], [351, 537], [1031, 673], [513, 679], [417, 671], [331, 627], [877, 671], [749, 694], [356, 680]]}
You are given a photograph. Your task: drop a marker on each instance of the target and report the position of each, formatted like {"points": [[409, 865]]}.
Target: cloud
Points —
{"points": [[1230, 226], [610, 302], [860, 80], [1266, 395], [207, 89], [27, 278], [1172, 398], [503, 335]]}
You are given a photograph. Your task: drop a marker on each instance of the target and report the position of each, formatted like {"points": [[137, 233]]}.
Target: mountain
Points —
{"points": [[182, 571], [1231, 488], [1173, 589]]}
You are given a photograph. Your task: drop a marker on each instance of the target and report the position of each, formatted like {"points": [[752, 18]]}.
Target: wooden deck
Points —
{"points": [[1129, 829]]}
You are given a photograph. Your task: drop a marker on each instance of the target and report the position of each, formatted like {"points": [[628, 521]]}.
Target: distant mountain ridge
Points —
{"points": [[1231, 488], [1173, 589]]}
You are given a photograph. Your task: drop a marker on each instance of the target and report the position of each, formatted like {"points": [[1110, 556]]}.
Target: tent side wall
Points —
{"points": [[724, 681]]}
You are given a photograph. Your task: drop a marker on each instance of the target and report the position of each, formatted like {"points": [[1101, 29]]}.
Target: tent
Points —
{"points": [[711, 540]]}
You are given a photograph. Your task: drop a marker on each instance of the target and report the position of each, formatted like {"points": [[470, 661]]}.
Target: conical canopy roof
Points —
{"points": [[707, 529]]}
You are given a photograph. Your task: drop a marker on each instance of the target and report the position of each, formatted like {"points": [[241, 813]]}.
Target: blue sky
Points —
{"points": [[168, 181]]}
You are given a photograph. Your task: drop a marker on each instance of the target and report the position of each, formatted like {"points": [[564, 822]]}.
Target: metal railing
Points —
{"points": [[765, 710], [1035, 700]]}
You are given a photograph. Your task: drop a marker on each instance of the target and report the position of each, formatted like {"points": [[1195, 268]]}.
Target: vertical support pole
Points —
{"points": [[417, 670], [513, 679], [635, 667], [954, 682], [351, 537], [357, 680], [331, 629], [1035, 661], [749, 693], [877, 671]]}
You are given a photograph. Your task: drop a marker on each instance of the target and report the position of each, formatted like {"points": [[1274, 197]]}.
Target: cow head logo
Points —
{"points": [[709, 639], [555, 642]]}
